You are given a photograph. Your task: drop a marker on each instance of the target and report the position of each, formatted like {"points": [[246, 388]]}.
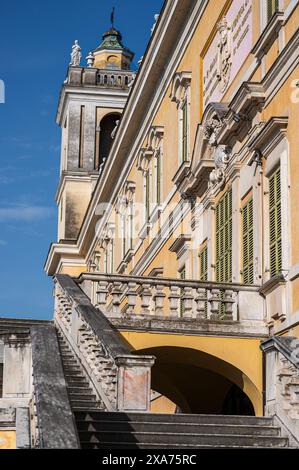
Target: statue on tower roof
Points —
{"points": [[76, 55]]}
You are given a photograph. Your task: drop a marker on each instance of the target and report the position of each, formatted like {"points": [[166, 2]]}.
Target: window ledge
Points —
{"points": [[181, 173], [144, 230], [126, 260], [272, 284], [269, 35], [155, 214]]}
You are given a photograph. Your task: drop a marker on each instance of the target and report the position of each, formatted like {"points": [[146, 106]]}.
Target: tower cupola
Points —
{"points": [[111, 53]]}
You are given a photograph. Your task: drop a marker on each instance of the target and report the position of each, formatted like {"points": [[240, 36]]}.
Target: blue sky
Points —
{"points": [[35, 43]]}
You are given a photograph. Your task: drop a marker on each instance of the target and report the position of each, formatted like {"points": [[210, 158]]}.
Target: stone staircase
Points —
{"points": [[80, 393], [98, 430]]}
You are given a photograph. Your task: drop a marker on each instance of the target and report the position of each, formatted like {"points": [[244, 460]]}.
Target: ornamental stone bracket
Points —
{"points": [[180, 82], [155, 138], [144, 158], [126, 197]]}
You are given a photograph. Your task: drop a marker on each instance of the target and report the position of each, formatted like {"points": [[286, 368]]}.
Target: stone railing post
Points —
{"points": [[134, 383], [102, 292], [132, 298], [187, 300], [174, 301], [229, 302], [215, 303], [146, 296], [116, 299], [159, 300], [201, 301]]}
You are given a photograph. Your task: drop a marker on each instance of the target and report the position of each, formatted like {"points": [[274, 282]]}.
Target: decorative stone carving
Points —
{"points": [[224, 54], [90, 59], [144, 159], [156, 17], [76, 55], [155, 136], [180, 83], [221, 159], [126, 197]]}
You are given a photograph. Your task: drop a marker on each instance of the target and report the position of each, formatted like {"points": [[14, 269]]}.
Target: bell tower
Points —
{"points": [[91, 102]]}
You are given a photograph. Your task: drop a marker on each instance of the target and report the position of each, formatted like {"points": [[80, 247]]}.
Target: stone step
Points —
{"points": [[164, 445], [175, 418], [83, 404], [182, 438], [185, 428]]}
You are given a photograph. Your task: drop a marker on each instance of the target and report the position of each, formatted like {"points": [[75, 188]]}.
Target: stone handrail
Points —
{"points": [[281, 359], [120, 378], [120, 295]]}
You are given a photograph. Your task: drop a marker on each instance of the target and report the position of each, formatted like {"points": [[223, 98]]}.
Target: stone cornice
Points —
{"points": [[269, 35], [269, 136]]}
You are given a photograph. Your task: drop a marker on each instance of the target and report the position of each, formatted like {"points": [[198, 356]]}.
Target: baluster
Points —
{"points": [[116, 295], [201, 303], [102, 292], [229, 302], [215, 304], [174, 301], [146, 295], [187, 300], [159, 300], [132, 298]]}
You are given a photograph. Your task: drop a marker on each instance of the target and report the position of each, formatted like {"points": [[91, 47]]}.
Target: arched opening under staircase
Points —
{"points": [[190, 381]]}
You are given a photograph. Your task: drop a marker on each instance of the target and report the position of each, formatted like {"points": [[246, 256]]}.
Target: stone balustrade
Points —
{"points": [[119, 296], [120, 379], [114, 78], [281, 359], [103, 78]]}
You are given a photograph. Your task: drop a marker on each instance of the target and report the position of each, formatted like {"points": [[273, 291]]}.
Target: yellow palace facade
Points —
{"points": [[177, 214]]}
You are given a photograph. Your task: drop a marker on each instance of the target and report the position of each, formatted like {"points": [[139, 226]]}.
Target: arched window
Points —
{"points": [[104, 139]]}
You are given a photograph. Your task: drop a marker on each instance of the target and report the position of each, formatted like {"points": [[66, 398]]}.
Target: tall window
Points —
{"points": [[224, 238], [247, 226], [203, 271], [203, 264], [158, 178], [275, 223], [272, 7], [1, 380], [147, 195], [185, 126], [182, 277]]}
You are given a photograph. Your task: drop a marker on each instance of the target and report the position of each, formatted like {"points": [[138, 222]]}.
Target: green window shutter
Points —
{"points": [[203, 264], [182, 277], [147, 195], [272, 7], [275, 223], [112, 257], [158, 181], [185, 132], [247, 221], [224, 238], [203, 276]]}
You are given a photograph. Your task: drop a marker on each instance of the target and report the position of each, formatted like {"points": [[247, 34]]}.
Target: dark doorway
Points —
{"points": [[237, 403]]}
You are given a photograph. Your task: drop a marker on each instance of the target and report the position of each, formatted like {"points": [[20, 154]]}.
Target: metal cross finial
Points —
{"points": [[112, 17]]}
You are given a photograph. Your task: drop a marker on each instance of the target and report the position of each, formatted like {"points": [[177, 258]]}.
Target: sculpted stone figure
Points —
{"points": [[76, 55], [224, 54]]}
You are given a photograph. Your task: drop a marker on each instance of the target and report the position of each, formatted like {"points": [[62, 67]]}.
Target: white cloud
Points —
{"points": [[25, 213], [3, 243]]}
